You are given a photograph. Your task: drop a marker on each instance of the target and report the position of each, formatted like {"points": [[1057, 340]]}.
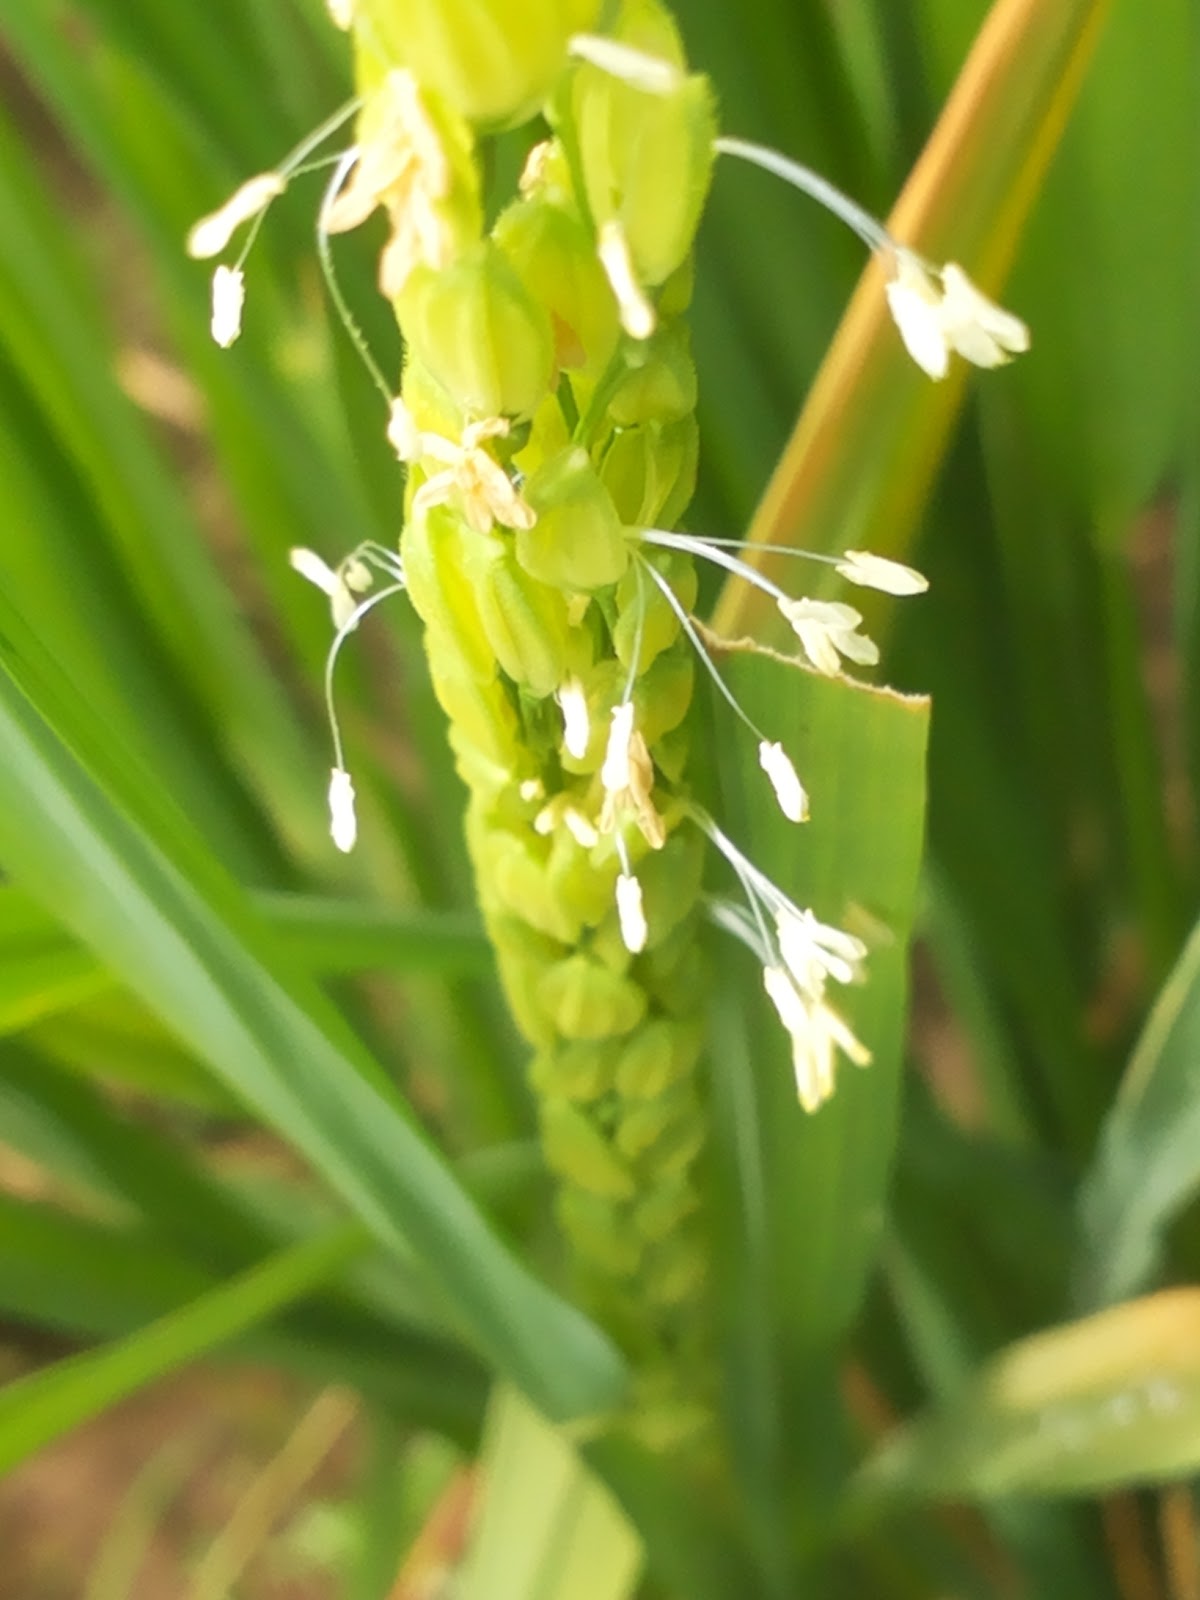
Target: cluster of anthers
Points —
{"points": [[937, 311]]}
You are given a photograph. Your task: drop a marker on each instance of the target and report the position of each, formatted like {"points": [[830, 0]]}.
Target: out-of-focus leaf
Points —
{"points": [[546, 1526], [1107, 272], [859, 464], [802, 1196], [184, 938], [327, 935], [36, 1409], [43, 971], [1147, 1166], [136, 603], [1001, 1270], [1111, 1401]]}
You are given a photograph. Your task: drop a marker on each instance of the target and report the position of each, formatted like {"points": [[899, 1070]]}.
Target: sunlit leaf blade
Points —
{"points": [[183, 938], [1110, 1401], [545, 1525], [859, 464], [1147, 1165], [38, 1408]]}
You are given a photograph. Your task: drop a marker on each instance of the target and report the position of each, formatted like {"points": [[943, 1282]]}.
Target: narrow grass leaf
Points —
{"points": [[87, 1280], [37, 1409], [1147, 1164], [182, 936]]}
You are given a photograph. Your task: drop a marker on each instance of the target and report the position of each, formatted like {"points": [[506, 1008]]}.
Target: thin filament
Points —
{"points": [[872, 233], [346, 628], [709, 550], [325, 257], [689, 628]]}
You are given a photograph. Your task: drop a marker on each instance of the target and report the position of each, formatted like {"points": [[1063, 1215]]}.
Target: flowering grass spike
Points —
{"points": [[546, 420]]}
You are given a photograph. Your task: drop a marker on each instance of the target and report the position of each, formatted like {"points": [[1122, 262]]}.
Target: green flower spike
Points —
{"points": [[546, 418]]}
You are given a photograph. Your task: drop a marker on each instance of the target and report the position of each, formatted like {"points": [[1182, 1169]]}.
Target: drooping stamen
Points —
{"points": [[878, 572], [796, 961], [638, 317], [856, 566], [828, 630], [631, 914], [615, 774], [249, 203], [211, 235], [789, 791], [343, 823], [936, 309], [228, 298], [341, 790], [840, 955], [577, 730]]}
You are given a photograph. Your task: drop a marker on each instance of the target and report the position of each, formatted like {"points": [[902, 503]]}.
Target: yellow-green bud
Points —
{"points": [[579, 1151], [670, 880], [679, 1269], [523, 956], [480, 334], [664, 1208], [646, 1121], [664, 693], [582, 1071], [679, 454], [600, 1233], [646, 159], [555, 257], [577, 541], [433, 550], [585, 890], [524, 621], [651, 472], [430, 404], [658, 1055], [638, 596], [587, 1001], [675, 974], [660, 385], [519, 879], [670, 1149], [494, 60], [482, 716]]}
